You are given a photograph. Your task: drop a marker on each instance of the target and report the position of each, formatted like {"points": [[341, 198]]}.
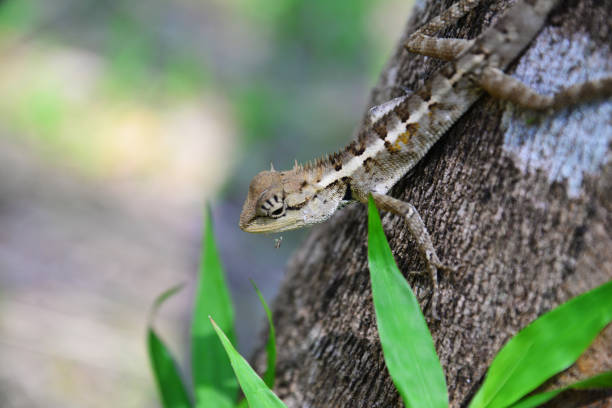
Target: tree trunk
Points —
{"points": [[521, 201]]}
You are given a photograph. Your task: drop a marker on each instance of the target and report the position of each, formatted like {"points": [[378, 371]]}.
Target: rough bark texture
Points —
{"points": [[523, 202]]}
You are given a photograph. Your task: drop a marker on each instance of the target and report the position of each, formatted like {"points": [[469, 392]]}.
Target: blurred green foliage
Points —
{"points": [[44, 109], [15, 14], [332, 32], [314, 42], [136, 63], [130, 54], [335, 31], [259, 109], [284, 68]]}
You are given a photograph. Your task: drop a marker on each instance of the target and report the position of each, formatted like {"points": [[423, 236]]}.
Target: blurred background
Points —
{"points": [[118, 120]]}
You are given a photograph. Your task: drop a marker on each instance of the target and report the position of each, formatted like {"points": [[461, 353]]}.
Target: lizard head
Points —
{"points": [[281, 201], [266, 209]]}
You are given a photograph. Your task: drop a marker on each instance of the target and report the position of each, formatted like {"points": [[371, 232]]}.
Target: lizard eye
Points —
{"points": [[277, 212], [272, 205]]}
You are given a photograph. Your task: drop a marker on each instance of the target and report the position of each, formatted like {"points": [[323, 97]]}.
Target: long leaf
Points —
{"points": [[599, 381], [547, 346], [165, 370], [407, 345], [214, 383], [171, 388], [270, 374], [255, 390]]}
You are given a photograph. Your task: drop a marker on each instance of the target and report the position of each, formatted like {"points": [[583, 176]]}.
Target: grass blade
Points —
{"points": [[599, 381], [255, 390], [407, 345], [214, 382], [555, 340], [171, 388], [270, 374], [165, 370]]}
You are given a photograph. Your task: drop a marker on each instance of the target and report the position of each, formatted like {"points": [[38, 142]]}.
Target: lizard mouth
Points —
{"points": [[262, 224]]}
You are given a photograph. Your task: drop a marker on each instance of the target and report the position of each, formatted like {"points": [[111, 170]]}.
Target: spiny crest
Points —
{"points": [[335, 161], [326, 162]]}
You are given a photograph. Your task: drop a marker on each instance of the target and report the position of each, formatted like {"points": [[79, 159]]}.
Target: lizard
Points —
{"points": [[401, 131]]}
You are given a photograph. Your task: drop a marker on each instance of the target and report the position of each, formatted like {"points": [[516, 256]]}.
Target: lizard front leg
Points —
{"points": [[421, 236]]}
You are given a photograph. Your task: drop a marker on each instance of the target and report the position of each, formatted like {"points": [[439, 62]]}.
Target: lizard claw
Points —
{"points": [[432, 271], [447, 269], [434, 293]]}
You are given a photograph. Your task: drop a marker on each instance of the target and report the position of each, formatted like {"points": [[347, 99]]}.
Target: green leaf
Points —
{"points": [[165, 370], [255, 390], [270, 374], [407, 345], [547, 346], [171, 388], [599, 381], [213, 379], [243, 404]]}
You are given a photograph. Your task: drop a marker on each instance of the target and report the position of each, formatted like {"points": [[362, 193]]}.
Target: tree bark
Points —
{"points": [[521, 201]]}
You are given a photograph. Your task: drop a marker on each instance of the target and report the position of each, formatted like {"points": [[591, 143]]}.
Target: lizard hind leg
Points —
{"points": [[448, 49], [448, 17], [421, 236]]}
